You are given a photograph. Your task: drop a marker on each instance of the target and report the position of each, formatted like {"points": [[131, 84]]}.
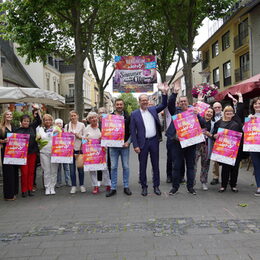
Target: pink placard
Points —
{"points": [[226, 146], [188, 128], [94, 155], [252, 135], [62, 148], [16, 149], [202, 107], [113, 130]]}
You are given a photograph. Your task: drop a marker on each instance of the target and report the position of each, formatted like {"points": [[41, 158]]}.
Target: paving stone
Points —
{"points": [[24, 253]]}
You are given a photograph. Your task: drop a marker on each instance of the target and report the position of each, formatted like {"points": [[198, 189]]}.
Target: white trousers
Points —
{"points": [[49, 171], [105, 178]]}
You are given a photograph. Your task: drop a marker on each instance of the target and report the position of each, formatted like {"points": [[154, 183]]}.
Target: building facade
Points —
{"points": [[232, 53]]}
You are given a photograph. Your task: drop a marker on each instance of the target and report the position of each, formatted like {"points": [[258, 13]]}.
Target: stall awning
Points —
{"points": [[30, 95], [249, 88]]}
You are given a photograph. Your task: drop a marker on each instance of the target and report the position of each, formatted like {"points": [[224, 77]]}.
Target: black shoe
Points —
{"points": [[157, 191], [192, 191], [234, 189], [24, 195], [127, 191], [30, 193], [144, 191], [222, 189], [169, 180], [173, 191], [111, 193], [214, 182]]}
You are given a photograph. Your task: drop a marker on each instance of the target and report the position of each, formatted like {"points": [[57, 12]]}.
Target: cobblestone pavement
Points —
{"points": [[209, 225]]}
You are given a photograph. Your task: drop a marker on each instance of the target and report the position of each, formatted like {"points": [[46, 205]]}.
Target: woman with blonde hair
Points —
{"points": [[77, 128], [44, 134], [232, 121], [92, 131], [10, 172]]}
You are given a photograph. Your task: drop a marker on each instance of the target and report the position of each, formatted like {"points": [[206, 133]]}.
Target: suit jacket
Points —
{"points": [[137, 124]]}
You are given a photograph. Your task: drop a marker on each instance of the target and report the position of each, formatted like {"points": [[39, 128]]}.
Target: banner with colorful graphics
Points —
{"points": [[113, 130], [16, 149], [226, 146], [202, 107], [94, 155], [134, 74], [251, 135], [62, 148], [188, 129]]}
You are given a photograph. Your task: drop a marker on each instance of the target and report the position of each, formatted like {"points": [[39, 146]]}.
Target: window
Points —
{"points": [[48, 83], [227, 73], [216, 77], [243, 29], [205, 62], [215, 49], [225, 41], [244, 62], [71, 90]]}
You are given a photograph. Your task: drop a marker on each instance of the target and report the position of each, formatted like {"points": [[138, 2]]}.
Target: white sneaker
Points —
{"points": [[82, 189], [53, 191], [47, 191], [204, 186], [73, 190]]}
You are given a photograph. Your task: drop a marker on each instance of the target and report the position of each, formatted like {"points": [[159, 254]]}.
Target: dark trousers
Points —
{"points": [[10, 180], [229, 173], [255, 156], [169, 165], [151, 146], [179, 155]]}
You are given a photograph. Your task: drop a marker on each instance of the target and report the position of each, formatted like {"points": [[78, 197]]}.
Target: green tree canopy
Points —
{"points": [[130, 101]]}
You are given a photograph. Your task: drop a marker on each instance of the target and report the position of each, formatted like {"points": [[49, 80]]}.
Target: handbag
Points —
{"points": [[79, 160]]}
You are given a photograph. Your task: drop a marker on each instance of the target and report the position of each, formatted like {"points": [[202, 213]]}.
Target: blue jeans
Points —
{"points": [[66, 170], [115, 152], [255, 156], [73, 173], [178, 155]]}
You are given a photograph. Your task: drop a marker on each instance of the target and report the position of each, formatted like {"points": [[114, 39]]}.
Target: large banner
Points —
{"points": [[226, 146], [62, 148], [113, 130], [188, 129], [134, 74], [252, 135], [16, 149], [94, 155]]}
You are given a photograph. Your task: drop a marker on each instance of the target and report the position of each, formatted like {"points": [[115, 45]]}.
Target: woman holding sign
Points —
{"points": [[27, 170], [92, 131], [10, 172], [231, 121], [255, 108], [50, 169], [77, 129]]}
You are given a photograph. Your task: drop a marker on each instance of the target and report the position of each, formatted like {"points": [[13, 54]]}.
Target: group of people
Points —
{"points": [[143, 130]]}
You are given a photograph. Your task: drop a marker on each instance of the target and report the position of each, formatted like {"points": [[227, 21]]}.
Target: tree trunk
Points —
{"points": [[79, 62], [101, 94]]}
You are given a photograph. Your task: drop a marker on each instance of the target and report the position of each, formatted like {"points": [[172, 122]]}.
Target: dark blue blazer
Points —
{"points": [[137, 127]]}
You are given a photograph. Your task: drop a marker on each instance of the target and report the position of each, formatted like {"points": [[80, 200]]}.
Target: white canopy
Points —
{"points": [[30, 95]]}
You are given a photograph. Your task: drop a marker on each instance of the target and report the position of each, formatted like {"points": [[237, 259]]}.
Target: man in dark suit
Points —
{"points": [[146, 133]]}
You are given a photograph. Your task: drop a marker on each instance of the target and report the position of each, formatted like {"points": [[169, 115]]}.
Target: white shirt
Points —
{"points": [[149, 123], [80, 127], [92, 133]]}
